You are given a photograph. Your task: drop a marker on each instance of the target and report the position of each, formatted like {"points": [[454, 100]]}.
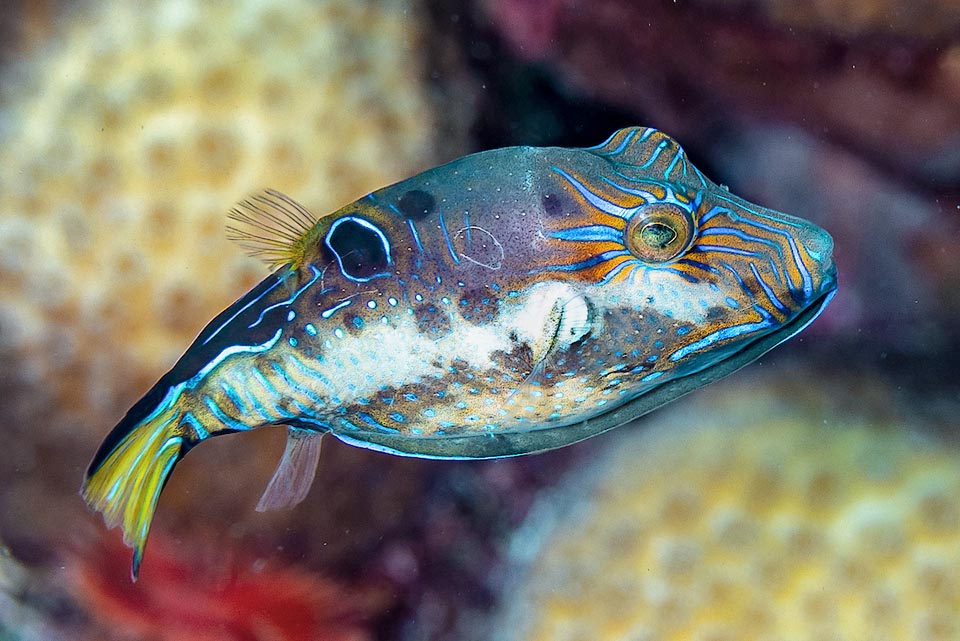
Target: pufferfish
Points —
{"points": [[509, 302]]}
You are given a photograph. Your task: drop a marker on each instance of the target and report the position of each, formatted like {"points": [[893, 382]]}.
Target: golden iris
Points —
{"points": [[660, 232]]}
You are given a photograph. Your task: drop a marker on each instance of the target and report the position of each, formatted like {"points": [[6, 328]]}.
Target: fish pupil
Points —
{"points": [[657, 235]]}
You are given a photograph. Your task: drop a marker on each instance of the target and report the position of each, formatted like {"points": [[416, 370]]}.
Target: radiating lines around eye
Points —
{"points": [[593, 261], [741, 205], [741, 235], [650, 192], [768, 291], [616, 270], [743, 216], [589, 233], [806, 282], [602, 204], [724, 249], [627, 139], [644, 271], [656, 154], [695, 264], [648, 196], [765, 322], [716, 210], [670, 194]]}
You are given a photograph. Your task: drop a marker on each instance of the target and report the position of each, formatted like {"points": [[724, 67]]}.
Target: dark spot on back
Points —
{"points": [[552, 205], [416, 204], [361, 252]]}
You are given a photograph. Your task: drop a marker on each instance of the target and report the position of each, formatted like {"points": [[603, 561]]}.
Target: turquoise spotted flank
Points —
{"points": [[509, 302]]}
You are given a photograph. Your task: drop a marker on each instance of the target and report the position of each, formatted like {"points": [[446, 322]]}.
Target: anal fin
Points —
{"points": [[294, 475]]}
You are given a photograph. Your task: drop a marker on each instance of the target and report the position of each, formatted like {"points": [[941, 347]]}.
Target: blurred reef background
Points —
{"points": [[815, 495]]}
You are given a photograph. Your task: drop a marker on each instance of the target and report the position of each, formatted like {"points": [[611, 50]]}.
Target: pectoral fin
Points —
{"points": [[294, 474], [569, 318]]}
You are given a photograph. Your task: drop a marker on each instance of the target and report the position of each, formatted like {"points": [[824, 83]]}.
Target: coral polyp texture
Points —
{"points": [[127, 136], [768, 524]]}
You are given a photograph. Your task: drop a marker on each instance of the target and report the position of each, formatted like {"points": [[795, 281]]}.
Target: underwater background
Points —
{"points": [[814, 495]]}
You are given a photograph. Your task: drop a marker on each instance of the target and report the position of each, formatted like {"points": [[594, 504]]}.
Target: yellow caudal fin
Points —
{"points": [[129, 471]]}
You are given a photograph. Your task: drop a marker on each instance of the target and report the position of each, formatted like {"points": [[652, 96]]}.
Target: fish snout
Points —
{"points": [[817, 242], [818, 247]]}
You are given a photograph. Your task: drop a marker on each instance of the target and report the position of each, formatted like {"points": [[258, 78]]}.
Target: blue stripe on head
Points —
{"points": [[597, 233], [584, 264], [603, 205]]}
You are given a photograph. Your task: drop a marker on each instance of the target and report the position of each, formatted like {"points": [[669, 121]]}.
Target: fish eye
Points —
{"points": [[660, 232]]}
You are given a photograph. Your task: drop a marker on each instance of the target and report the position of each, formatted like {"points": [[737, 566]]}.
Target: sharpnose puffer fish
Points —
{"points": [[509, 302]]}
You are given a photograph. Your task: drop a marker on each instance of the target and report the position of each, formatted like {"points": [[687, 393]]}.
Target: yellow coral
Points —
{"points": [[126, 139], [772, 524]]}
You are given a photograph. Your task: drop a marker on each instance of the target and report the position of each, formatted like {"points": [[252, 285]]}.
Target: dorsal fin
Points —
{"points": [[271, 226]]}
